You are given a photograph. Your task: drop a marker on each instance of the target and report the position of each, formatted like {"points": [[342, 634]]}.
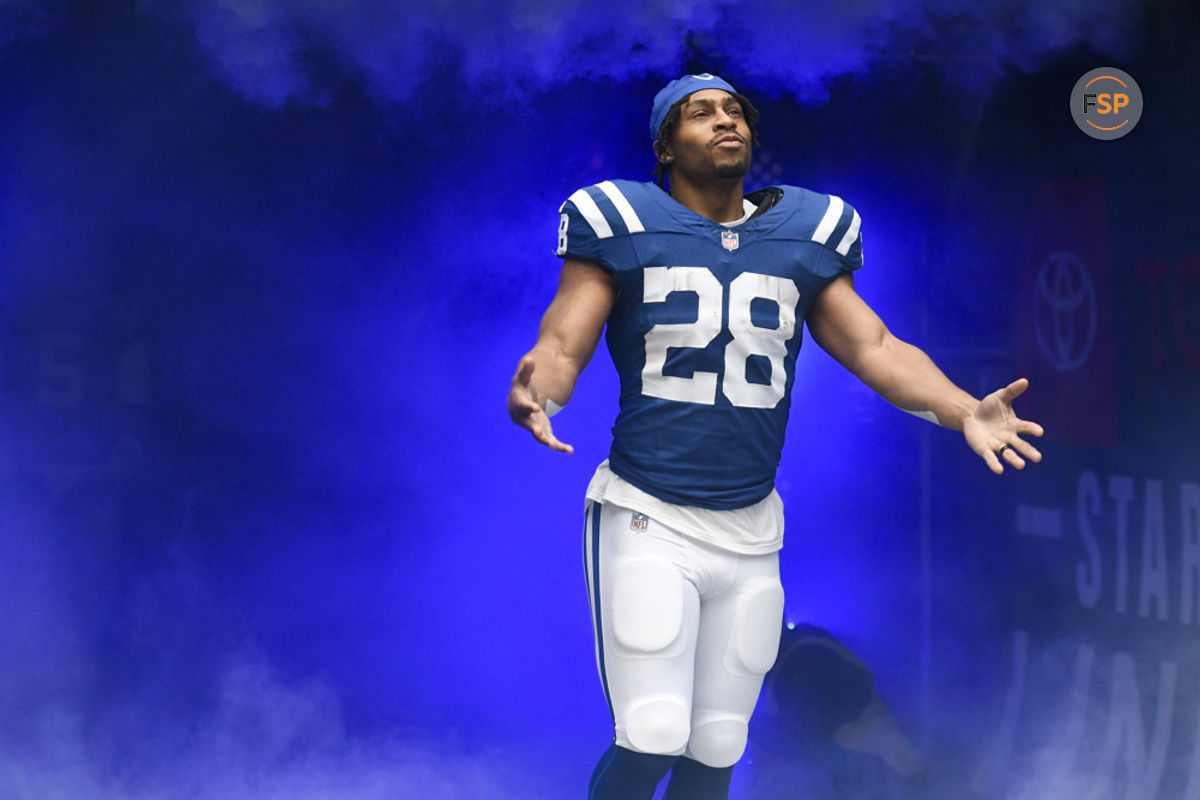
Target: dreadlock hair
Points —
{"points": [[667, 130]]}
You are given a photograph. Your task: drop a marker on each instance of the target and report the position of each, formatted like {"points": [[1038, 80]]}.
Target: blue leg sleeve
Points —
{"points": [[623, 774], [691, 780]]}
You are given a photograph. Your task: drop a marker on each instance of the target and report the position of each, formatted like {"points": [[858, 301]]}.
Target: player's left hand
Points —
{"points": [[993, 430]]}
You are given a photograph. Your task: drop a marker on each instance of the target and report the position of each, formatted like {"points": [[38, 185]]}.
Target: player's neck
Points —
{"points": [[719, 199]]}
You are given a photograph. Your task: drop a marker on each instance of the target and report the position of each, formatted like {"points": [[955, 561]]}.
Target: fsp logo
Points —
{"points": [[1106, 103]]}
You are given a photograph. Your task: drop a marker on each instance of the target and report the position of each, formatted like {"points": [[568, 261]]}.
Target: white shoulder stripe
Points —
{"points": [[628, 215], [828, 222], [592, 213], [851, 234]]}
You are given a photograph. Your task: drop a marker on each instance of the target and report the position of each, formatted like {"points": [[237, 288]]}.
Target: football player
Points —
{"points": [[704, 290]]}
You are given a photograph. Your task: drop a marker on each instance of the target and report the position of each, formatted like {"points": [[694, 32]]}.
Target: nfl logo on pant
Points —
{"points": [[639, 522]]}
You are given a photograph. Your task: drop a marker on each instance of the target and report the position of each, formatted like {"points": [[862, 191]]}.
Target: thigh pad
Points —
{"points": [[647, 604], [759, 615]]}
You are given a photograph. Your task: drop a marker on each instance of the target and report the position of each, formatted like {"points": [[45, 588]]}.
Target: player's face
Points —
{"points": [[712, 139]]}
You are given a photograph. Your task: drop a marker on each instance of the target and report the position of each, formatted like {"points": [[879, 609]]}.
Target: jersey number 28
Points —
{"points": [[748, 338]]}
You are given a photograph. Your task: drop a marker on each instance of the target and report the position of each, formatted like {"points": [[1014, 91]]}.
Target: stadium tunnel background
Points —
{"points": [[265, 271]]}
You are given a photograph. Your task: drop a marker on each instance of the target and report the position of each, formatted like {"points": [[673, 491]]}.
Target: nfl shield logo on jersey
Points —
{"points": [[639, 522], [729, 240]]}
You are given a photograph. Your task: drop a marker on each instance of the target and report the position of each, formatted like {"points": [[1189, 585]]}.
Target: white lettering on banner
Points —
{"points": [[1154, 555], [1189, 521], [1192, 792], [1143, 767], [1088, 576], [1120, 489], [1126, 723], [1128, 751], [1137, 557]]}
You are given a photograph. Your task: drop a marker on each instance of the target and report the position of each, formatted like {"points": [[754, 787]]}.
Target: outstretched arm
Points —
{"points": [[567, 338], [846, 327]]}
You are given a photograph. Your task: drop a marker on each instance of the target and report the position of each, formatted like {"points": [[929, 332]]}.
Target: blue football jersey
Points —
{"points": [[705, 330]]}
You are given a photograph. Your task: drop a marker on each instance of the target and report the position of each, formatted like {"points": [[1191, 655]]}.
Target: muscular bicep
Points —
{"points": [[844, 325], [573, 323]]}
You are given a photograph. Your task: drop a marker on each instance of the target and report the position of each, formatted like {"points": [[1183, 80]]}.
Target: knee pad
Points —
{"points": [[647, 606], [658, 725], [717, 741], [759, 616]]}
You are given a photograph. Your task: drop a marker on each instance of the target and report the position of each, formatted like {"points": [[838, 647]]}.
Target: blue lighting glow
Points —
{"points": [[266, 271]]}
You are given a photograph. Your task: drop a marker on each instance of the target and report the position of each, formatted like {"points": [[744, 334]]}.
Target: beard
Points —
{"points": [[733, 170]]}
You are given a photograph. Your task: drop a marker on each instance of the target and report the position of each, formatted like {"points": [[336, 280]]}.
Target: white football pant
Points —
{"points": [[684, 634]]}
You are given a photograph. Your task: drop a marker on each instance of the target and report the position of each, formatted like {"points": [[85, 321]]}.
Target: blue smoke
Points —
{"points": [[268, 51], [266, 269]]}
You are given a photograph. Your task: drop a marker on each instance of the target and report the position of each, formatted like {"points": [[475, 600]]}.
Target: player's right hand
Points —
{"points": [[525, 408]]}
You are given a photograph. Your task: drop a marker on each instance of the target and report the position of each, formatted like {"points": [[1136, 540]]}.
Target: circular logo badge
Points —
{"points": [[1065, 313], [1106, 103]]}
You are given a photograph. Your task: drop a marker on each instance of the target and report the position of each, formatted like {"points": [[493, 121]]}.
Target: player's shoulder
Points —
{"points": [[617, 208], [810, 208], [822, 218]]}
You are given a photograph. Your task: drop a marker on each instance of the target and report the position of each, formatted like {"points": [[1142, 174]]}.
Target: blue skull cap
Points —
{"points": [[678, 89]]}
